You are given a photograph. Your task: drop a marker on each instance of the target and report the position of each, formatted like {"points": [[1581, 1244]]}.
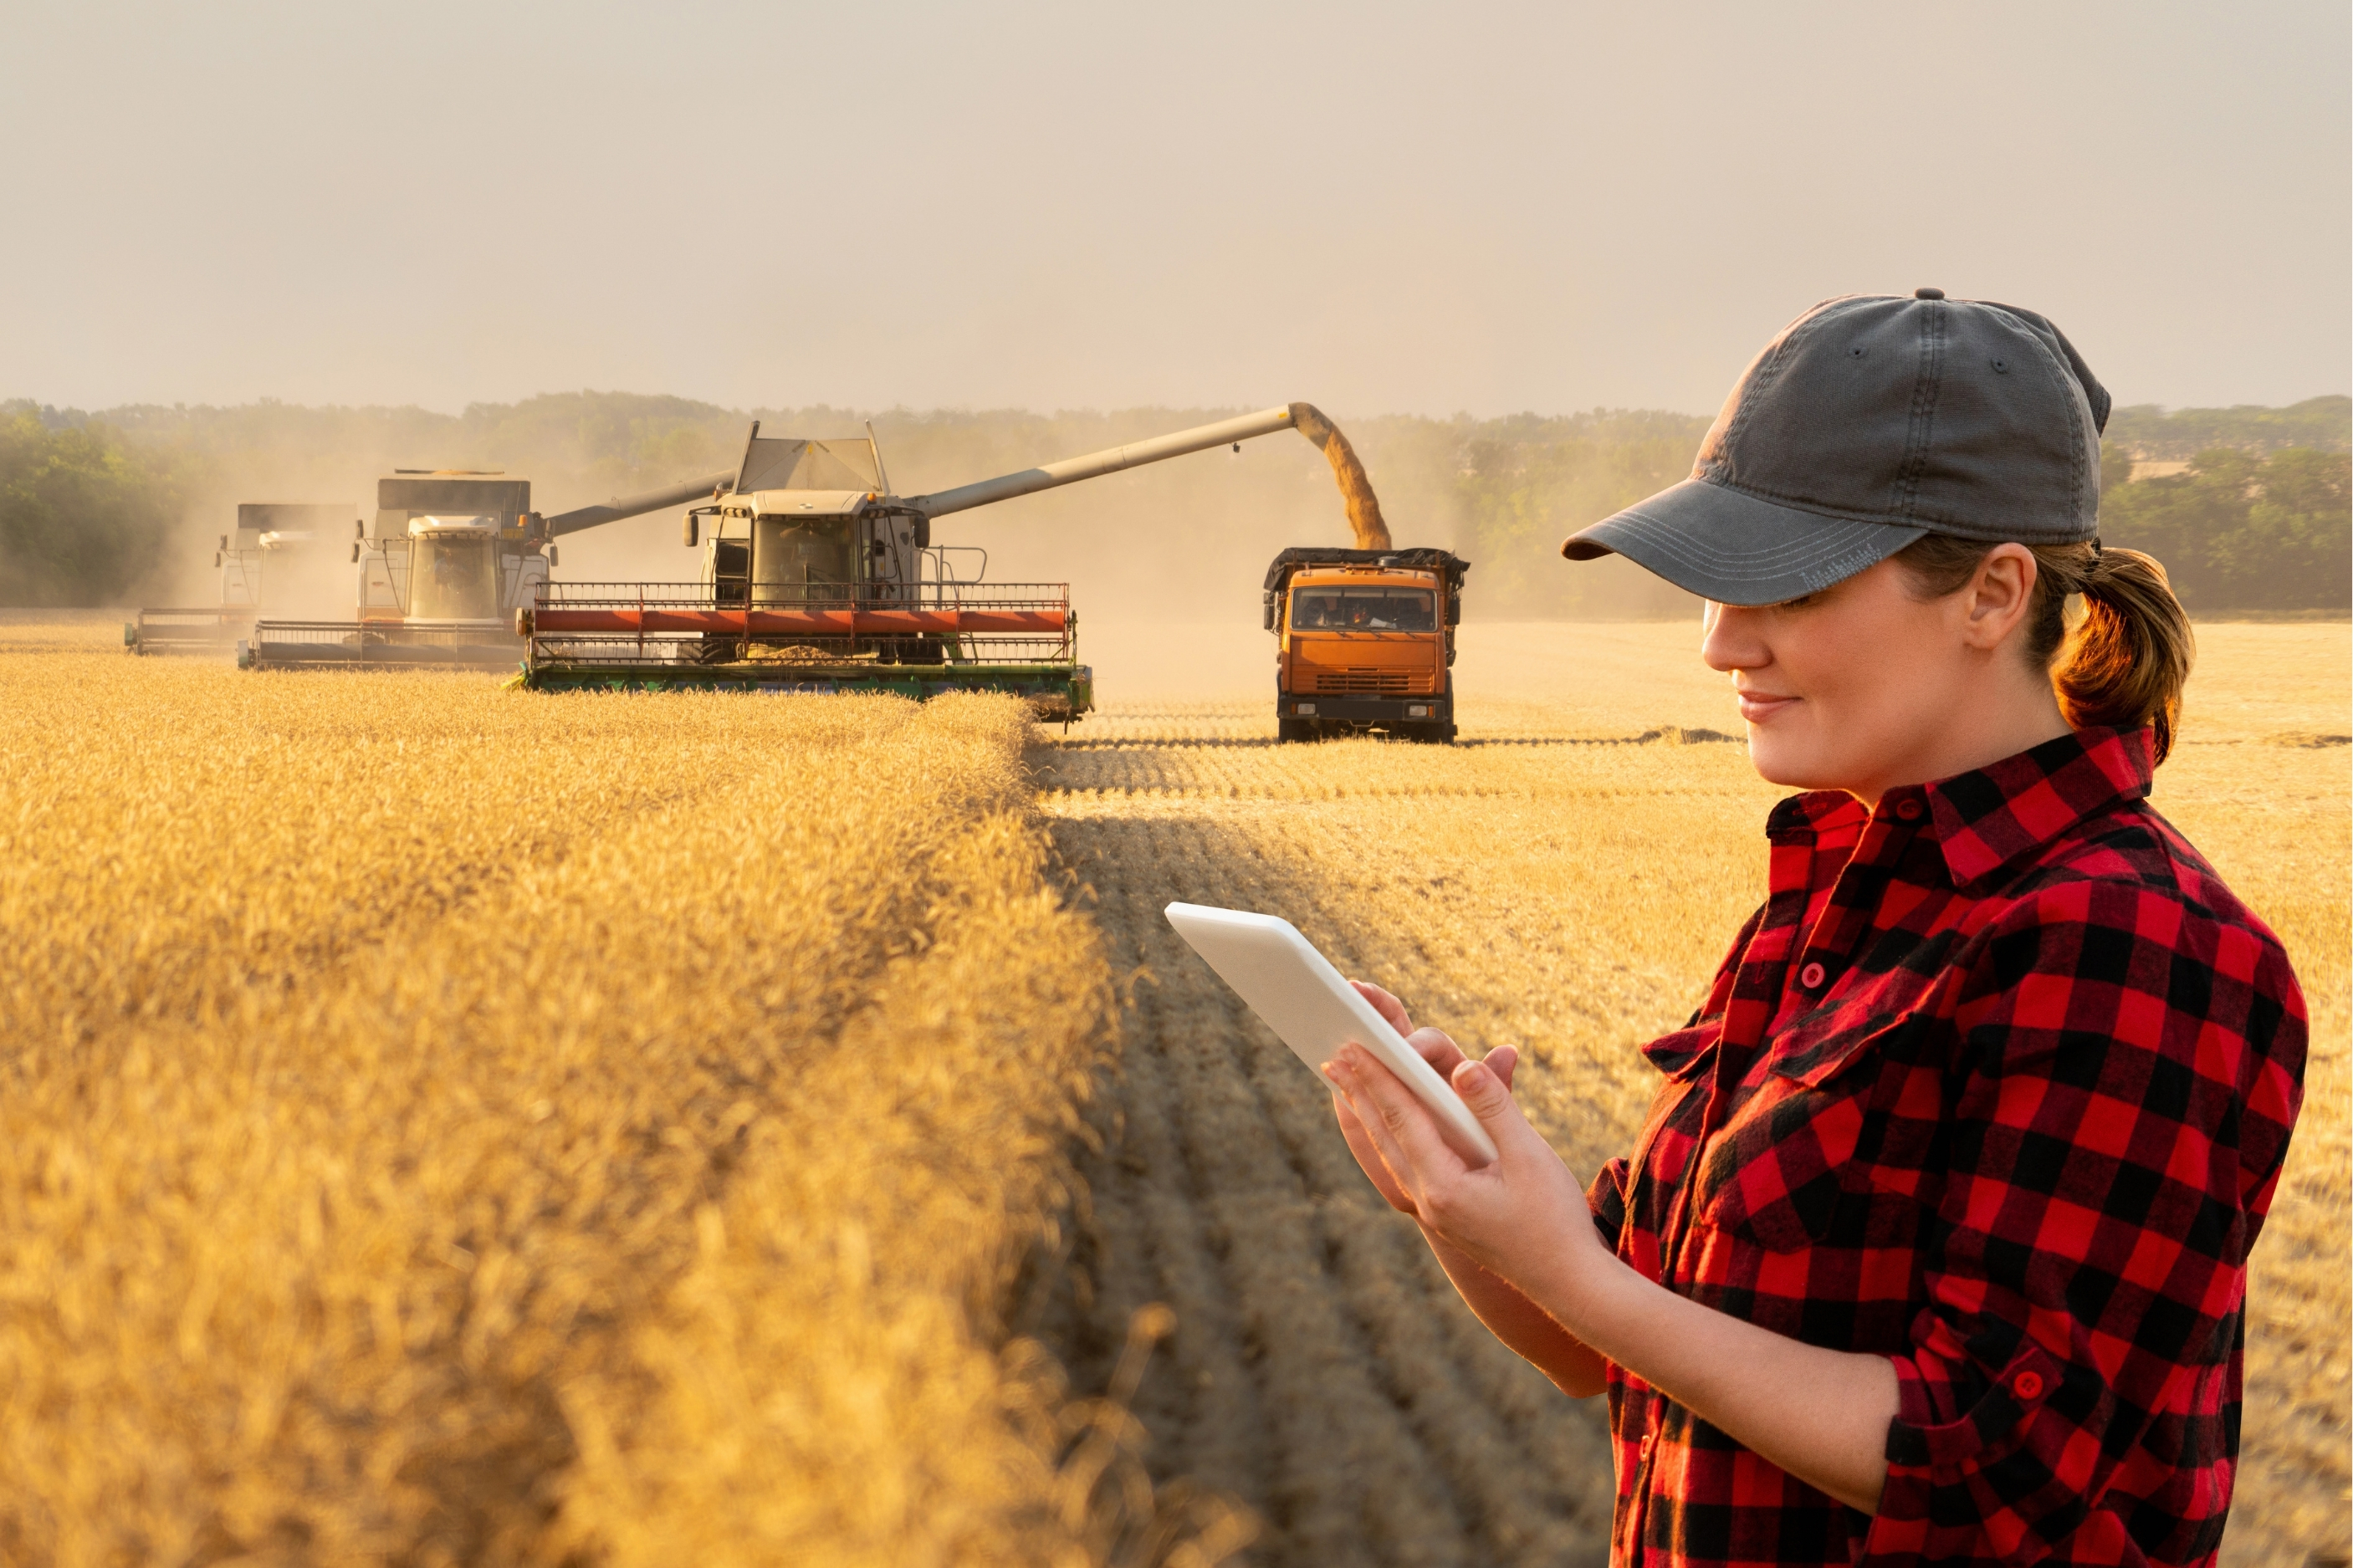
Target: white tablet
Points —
{"points": [[1314, 1009]]}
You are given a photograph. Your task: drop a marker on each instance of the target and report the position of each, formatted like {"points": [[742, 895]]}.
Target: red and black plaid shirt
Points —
{"points": [[1996, 1085]]}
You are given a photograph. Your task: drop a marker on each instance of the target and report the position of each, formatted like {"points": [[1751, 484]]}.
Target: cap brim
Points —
{"points": [[1734, 549]]}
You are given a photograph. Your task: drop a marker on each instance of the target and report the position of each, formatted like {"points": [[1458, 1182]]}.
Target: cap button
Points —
{"points": [[1928, 293]]}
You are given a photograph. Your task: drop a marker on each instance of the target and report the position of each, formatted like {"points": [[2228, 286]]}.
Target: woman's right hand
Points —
{"points": [[1442, 1054], [1514, 1319]]}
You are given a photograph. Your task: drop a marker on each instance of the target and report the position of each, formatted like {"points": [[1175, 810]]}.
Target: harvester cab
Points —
{"points": [[455, 572], [444, 544], [254, 562], [806, 517], [810, 525]]}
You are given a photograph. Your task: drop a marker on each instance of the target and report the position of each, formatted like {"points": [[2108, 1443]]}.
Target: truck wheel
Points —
{"points": [[1293, 730], [1430, 734]]}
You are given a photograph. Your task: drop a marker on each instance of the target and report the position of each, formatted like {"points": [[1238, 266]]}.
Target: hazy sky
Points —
{"points": [[1374, 207]]}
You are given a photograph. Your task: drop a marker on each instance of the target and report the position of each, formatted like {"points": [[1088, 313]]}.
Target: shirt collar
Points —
{"points": [[1989, 818], [1823, 816]]}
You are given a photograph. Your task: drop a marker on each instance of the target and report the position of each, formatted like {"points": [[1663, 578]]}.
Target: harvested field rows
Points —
{"points": [[1565, 880]]}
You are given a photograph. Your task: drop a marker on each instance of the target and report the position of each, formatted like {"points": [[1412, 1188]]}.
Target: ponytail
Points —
{"points": [[2123, 664]]}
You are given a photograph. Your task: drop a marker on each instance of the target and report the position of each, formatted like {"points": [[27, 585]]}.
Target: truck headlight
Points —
{"points": [[1418, 711], [1304, 707]]}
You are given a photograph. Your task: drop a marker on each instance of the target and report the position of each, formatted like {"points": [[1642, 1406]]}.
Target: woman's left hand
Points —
{"points": [[1523, 1217]]}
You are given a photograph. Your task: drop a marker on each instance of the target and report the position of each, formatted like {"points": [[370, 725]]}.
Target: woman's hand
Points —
{"points": [[1522, 1218], [1514, 1319], [1441, 1053]]}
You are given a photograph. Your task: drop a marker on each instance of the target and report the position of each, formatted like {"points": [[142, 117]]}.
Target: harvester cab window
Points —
{"points": [[1364, 610], [453, 574], [789, 555]]}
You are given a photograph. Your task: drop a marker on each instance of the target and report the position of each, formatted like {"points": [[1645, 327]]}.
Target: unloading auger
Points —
{"points": [[816, 577]]}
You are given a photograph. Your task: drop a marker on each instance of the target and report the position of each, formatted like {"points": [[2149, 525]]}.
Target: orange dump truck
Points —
{"points": [[1365, 641]]}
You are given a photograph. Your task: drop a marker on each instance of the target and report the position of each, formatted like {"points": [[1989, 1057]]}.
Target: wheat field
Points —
{"points": [[440, 1124], [443, 1124]]}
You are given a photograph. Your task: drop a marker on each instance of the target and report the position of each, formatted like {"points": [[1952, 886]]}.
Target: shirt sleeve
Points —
{"points": [[2127, 1072], [1606, 1198]]}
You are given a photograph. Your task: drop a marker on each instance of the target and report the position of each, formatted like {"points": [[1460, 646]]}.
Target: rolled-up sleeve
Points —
{"points": [[1606, 1198], [2129, 1070]]}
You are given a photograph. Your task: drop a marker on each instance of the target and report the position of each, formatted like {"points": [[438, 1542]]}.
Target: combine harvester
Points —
{"points": [[453, 557], [817, 578], [264, 529]]}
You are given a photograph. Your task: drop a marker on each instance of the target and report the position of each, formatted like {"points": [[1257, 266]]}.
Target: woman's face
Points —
{"points": [[1862, 686]]}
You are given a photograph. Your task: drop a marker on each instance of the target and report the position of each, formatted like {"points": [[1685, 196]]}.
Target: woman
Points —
{"points": [[1934, 1243]]}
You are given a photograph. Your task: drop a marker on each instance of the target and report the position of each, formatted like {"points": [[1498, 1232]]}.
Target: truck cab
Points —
{"points": [[1364, 642]]}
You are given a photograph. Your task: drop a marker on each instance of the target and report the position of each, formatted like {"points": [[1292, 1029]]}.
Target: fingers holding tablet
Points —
{"points": [[1303, 999], [1435, 1047], [1387, 1006]]}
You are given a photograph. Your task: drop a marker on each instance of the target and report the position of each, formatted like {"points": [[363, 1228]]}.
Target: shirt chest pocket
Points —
{"points": [[1822, 1150]]}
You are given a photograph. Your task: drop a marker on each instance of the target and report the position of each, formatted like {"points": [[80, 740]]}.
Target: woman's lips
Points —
{"points": [[1756, 707]]}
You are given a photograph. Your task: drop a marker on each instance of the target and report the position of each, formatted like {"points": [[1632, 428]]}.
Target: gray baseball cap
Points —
{"points": [[1870, 421]]}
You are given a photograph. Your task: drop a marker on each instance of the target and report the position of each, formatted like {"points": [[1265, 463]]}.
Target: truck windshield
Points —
{"points": [[1362, 610]]}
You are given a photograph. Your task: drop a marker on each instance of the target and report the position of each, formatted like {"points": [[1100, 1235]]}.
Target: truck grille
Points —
{"points": [[1362, 680]]}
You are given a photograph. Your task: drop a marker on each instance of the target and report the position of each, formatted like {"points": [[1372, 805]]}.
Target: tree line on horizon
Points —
{"points": [[2259, 519]]}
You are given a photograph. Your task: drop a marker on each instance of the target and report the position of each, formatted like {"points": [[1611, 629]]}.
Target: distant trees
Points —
{"points": [[2259, 521], [1524, 484], [2241, 530], [2149, 432], [83, 516]]}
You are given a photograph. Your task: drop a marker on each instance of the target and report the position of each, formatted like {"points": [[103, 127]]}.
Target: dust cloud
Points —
{"points": [[1163, 562]]}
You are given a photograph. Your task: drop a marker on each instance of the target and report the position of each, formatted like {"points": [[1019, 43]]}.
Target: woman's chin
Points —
{"points": [[1779, 761]]}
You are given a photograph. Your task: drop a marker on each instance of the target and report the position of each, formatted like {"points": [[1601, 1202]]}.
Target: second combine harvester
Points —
{"points": [[817, 577]]}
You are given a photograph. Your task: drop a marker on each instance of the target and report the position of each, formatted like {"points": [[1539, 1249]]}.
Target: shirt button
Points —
{"points": [[1909, 810], [2029, 1385], [1810, 977]]}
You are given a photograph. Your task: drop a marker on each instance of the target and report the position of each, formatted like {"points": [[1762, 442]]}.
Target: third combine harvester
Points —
{"points": [[817, 577], [453, 557]]}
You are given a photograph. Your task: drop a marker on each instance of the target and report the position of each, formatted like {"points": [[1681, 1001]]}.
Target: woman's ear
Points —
{"points": [[2000, 595]]}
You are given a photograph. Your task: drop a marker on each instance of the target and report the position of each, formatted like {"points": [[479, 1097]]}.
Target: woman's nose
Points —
{"points": [[1729, 639]]}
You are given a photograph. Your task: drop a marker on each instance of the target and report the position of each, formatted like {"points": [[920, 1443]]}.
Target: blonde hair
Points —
{"points": [[2123, 664]]}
